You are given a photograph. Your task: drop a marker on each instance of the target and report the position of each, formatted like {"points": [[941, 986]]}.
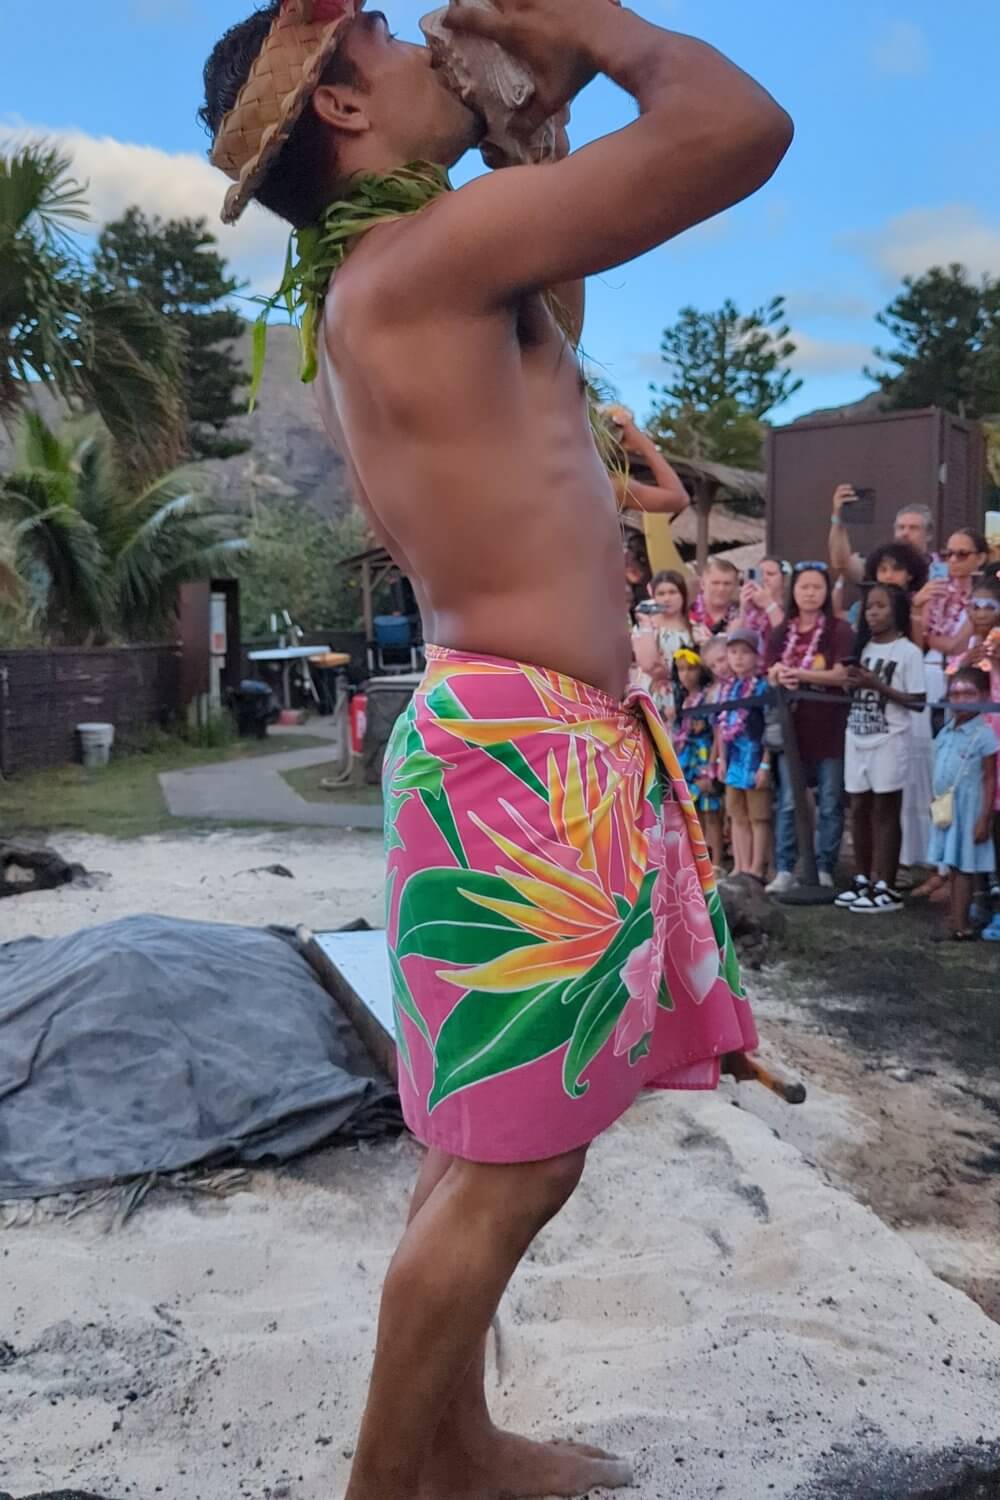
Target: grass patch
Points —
{"points": [[124, 799], [306, 781]]}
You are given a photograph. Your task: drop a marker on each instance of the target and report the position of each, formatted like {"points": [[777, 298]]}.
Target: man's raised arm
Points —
{"points": [[707, 136]]}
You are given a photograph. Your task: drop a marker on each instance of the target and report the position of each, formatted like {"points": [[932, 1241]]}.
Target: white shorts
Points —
{"points": [[880, 769]]}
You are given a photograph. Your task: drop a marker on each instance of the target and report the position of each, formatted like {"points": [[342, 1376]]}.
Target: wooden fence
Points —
{"points": [[45, 693]]}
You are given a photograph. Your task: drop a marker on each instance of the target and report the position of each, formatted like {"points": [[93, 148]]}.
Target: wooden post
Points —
{"points": [[705, 491], [366, 600]]}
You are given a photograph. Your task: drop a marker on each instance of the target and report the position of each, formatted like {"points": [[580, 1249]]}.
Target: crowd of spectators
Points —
{"points": [[888, 664]]}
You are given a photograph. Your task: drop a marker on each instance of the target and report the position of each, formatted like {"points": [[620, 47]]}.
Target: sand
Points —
{"points": [[708, 1303]]}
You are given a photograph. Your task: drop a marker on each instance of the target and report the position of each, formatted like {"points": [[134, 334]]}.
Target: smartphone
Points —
{"points": [[648, 607], [862, 512], [753, 575]]}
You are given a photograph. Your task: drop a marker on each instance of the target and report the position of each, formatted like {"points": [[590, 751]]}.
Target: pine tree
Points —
{"points": [[176, 267], [725, 372], [946, 329]]}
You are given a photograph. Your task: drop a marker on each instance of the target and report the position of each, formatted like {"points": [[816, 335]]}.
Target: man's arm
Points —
{"points": [[849, 565], [707, 137]]}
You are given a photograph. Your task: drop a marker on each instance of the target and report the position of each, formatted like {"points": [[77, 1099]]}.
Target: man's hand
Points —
{"points": [[844, 494]]}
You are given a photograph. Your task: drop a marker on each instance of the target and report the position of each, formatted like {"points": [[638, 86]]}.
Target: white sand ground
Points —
{"points": [[707, 1303]]}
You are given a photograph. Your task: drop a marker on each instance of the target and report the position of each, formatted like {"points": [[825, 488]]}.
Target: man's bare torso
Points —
{"points": [[470, 447]]}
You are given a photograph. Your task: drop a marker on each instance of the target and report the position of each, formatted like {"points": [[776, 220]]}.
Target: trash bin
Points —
{"points": [[96, 741], [254, 707], [386, 699]]}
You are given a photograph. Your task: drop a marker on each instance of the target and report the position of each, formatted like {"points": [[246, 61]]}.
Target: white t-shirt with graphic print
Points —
{"points": [[873, 719]]}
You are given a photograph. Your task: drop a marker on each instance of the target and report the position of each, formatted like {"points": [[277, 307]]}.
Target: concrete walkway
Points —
{"points": [[254, 791]]}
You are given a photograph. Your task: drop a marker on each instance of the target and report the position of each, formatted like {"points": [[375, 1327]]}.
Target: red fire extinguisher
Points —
{"points": [[359, 721]]}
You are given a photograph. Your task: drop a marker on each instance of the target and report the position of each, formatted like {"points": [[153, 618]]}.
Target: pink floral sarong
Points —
{"points": [[556, 939]]}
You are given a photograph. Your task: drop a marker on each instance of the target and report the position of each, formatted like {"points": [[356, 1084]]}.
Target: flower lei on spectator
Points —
{"points": [[318, 250], [733, 722], [945, 614], [792, 639]]}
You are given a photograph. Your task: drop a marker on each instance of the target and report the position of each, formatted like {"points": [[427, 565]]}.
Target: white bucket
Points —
{"points": [[95, 743]]}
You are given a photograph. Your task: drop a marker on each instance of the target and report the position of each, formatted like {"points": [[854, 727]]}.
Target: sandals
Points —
{"points": [[966, 936]]}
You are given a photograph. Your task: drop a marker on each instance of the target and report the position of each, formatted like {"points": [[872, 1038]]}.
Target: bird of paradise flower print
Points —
{"points": [[557, 942]]}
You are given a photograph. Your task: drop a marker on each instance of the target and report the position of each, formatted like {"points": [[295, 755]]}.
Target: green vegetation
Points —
{"points": [[124, 799], [946, 332], [98, 346], [292, 562], [307, 782], [725, 372], [98, 557], [177, 269]]}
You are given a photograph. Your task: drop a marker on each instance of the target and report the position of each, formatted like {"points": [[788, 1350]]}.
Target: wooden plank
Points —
{"points": [[353, 968]]}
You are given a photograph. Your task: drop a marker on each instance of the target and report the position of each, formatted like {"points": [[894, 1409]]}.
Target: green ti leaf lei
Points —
{"points": [[316, 252]]}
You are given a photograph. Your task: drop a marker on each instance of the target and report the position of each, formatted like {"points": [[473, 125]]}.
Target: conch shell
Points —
{"points": [[493, 84]]}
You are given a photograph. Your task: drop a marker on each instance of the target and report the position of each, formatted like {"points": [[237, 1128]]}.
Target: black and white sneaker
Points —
{"points": [[859, 887], [881, 898]]}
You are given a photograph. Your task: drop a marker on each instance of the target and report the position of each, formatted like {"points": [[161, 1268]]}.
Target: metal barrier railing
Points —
{"points": [[781, 701]]}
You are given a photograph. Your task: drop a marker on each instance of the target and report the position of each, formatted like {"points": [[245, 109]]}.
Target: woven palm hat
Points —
{"points": [[285, 74]]}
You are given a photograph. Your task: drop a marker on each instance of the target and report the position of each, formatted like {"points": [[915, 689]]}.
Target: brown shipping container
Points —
{"points": [[908, 458]]}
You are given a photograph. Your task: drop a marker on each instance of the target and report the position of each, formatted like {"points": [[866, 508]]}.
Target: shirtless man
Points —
{"points": [[539, 834]]}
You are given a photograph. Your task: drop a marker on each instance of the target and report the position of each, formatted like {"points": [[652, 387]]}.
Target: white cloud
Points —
{"points": [[824, 303], [828, 356], [901, 50], [181, 185], [913, 242]]}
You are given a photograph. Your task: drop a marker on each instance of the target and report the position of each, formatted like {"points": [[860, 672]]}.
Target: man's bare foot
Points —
{"points": [[499, 1465]]}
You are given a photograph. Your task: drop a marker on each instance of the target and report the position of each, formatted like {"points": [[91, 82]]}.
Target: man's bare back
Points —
{"points": [[471, 450]]}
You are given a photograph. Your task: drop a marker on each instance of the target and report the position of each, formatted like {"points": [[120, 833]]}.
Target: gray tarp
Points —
{"points": [[149, 1045]]}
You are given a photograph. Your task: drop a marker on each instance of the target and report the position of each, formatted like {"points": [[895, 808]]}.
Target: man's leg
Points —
{"points": [[467, 1437], [442, 1290]]}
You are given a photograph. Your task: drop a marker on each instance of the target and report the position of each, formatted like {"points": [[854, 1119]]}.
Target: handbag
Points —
{"points": [[943, 809], [943, 806]]}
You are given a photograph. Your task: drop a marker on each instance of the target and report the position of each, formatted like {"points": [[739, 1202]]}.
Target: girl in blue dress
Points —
{"points": [[965, 770]]}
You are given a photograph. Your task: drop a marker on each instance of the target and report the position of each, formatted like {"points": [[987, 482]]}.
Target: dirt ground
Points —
{"points": [[898, 1039]]}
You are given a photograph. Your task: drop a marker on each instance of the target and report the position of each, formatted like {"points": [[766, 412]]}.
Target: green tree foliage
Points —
{"points": [[945, 328], [292, 563], [726, 371], [175, 266], [99, 557], [95, 347]]}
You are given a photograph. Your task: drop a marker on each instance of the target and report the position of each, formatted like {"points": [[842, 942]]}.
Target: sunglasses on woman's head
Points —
{"points": [[986, 603], [811, 567]]}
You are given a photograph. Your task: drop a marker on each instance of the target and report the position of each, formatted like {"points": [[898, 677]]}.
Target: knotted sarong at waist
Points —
{"points": [[556, 939]]}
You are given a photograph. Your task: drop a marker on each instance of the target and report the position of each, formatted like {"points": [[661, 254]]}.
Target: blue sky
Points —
{"points": [[894, 167]]}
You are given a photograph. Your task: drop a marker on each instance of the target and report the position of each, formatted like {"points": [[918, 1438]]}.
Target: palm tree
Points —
{"points": [[109, 350], [104, 557]]}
